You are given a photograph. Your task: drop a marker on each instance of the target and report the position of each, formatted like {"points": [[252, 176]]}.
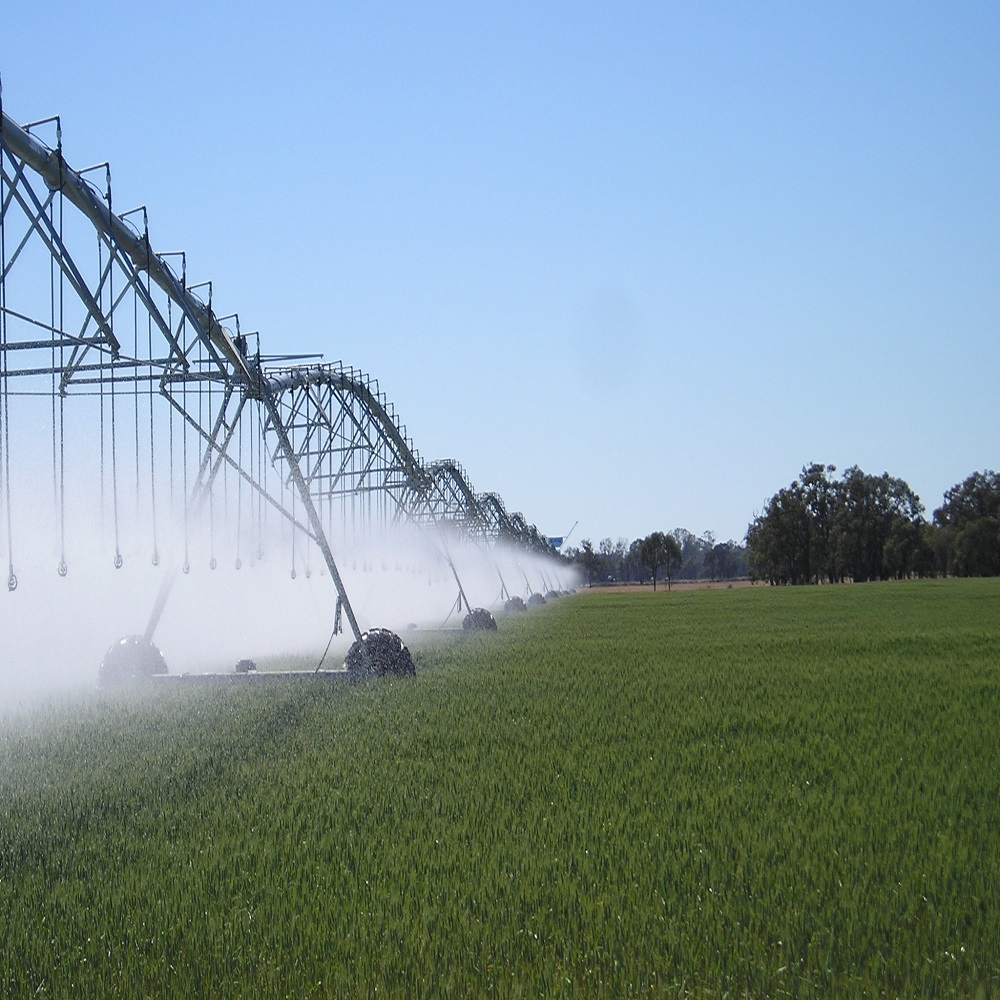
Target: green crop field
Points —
{"points": [[746, 793]]}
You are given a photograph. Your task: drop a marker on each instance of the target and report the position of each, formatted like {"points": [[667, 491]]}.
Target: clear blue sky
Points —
{"points": [[632, 264]]}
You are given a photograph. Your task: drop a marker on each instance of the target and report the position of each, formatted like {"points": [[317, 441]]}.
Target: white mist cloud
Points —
{"points": [[57, 629]]}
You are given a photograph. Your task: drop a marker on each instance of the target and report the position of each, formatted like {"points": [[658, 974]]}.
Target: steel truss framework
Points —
{"points": [[89, 309], [362, 469]]}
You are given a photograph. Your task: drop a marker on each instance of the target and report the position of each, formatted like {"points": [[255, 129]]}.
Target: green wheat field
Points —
{"points": [[749, 793]]}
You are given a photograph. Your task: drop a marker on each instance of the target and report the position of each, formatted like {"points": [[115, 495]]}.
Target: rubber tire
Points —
{"points": [[131, 659], [479, 620], [387, 655]]}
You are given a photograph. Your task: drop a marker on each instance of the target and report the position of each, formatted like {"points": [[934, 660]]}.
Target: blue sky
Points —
{"points": [[631, 264]]}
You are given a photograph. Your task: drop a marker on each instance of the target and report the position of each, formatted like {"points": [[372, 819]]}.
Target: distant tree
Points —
{"points": [[613, 559], [710, 563], [975, 497], [940, 541], [819, 494], [622, 567], [738, 566], [870, 511], [977, 548], [590, 560], [968, 526], [721, 561], [864, 527], [622, 562], [635, 561], [908, 550], [672, 557], [651, 553], [692, 554], [658, 549], [778, 539]]}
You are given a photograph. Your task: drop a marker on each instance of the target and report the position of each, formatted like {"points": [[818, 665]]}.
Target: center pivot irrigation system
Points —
{"points": [[122, 366]]}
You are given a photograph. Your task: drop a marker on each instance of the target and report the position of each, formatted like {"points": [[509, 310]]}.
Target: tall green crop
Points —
{"points": [[751, 792]]}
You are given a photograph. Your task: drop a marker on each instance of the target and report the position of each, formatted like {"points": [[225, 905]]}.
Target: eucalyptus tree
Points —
{"points": [[658, 549], [778, 538], [968, 526], [861, 527], [589, 559], [876, 525]]}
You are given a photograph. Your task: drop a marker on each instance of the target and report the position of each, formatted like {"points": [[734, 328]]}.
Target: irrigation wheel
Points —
{"points": [[133, 658], [479, 620], [378, 653]]}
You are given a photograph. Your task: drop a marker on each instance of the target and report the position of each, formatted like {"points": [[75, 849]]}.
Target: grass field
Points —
{"points": [[748, 793]]}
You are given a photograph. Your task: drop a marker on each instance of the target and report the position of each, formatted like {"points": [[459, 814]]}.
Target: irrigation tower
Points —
{"points": [[116, 367]]}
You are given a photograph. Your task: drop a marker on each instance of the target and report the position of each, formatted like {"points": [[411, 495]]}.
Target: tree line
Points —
{"points": [[823, 529], [675, 555], [865, 527]]}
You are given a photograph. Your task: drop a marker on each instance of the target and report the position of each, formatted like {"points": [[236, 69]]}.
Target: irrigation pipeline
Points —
{"points": [[335, 434]]}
